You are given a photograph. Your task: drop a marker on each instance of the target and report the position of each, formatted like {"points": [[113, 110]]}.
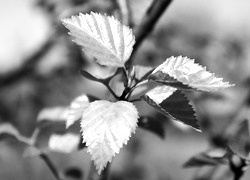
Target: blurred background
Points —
{"points": [[39, 68]]}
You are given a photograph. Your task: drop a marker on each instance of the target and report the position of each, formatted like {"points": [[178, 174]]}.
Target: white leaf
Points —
{"points": [[65, 143], [76, 109], [106, 126], [53, 114], [102, 37], [160, 93], [192, 74]]}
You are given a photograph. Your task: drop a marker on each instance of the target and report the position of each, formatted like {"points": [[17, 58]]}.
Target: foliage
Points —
{"points": [[105, 126], [102, 126]]}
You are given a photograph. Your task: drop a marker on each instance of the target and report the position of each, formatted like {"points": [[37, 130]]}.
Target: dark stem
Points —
{"points": [[148, 23], [51, 166], [105, 173], [93, 173], [237, 176], [111, 91]]}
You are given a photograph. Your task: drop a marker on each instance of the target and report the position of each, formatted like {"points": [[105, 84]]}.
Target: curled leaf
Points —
{"points": [[106, 126], [182, 70], [102, 37]]}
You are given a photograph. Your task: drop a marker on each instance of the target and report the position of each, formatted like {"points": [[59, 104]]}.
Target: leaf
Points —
{"points": [[160, 93], [52, 114], [76, 109], [211, 157], [106, 126], [65, 143], [182, 70], [176, 107], [154, 125], [165, 79], [7, 129], [102, 37]]}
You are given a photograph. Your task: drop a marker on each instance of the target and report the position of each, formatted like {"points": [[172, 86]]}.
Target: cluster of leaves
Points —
{"points": [[108, 124]]}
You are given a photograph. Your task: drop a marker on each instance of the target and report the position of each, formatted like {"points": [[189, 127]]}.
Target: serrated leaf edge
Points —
{"points": [[113, 155], [157, 107], [212, 75]]}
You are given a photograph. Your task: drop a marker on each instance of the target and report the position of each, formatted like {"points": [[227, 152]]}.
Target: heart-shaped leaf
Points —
{"points": [[106, 126], [184, 71], [102, 37], [176, 107]]}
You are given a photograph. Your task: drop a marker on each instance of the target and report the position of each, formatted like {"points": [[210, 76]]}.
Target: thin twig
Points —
{"points": [[51, 166], [148, 23], [111, 91]]}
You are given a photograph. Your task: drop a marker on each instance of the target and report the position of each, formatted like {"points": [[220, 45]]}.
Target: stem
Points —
{"points": [[134, 87], [93, 174], [237, 176], [111, 91], [148, 23], [51, 166], [105, 173]]}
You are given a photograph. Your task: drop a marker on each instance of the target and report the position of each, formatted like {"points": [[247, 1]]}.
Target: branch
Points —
{"points": [[148, 23], [51, 166]]}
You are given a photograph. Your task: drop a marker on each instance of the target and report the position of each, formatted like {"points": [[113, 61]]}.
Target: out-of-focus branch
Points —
{"points": [[51, 166], [148, 23], [28, 66], [126, 12]]}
